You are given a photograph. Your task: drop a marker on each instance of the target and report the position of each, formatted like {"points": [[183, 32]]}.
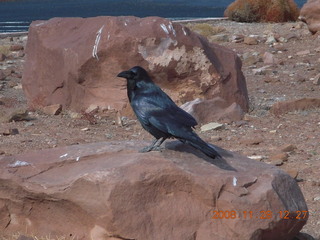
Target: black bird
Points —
{"points": [[159, 115]]}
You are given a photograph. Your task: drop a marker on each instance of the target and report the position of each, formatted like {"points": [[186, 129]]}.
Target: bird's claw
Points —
{"points": [[150, 148]]}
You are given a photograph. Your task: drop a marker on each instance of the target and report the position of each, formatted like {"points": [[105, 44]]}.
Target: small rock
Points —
{"points": [[19, 115], [215, 138], [302, 53], [292, 36], [16, 47], [219, 38], [29, 124], [298, 25], [251, 59], [287, 148], [275, 162], [21, 54], [2, 57], [74, 115], [293, 173], [18, 86], [270, 40], [280, 48], [316, 79], [268, 58], [11, 131], [241, 123], [237, 38], [211, 126], [300, 78], [256, 157], [92, 109], [279, 157], [250, 40], [85, 129], [54, 109], [254, 141], [317, 49], [317, 198], [269, 79], [2, 75], [282, 40], [260, 71]]}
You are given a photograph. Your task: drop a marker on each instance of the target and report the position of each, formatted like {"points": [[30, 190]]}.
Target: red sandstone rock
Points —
{"points": [[295, 105], [215, 109], [74, 62], [110, 191], [310, 14]]}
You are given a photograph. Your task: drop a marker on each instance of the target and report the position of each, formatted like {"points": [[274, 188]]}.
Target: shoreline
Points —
{"points": [[18, 34], [13, 34]]}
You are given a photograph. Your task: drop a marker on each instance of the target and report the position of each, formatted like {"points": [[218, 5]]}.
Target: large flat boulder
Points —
{"points": [[310, 14], [110, 191], [74, 62]]}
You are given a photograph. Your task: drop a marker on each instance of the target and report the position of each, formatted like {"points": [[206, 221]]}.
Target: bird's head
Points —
{"points": [[136, 74]]}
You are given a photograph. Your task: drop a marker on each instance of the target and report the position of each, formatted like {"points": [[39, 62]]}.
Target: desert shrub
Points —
{"points": [[206, 29], [262, 11]]}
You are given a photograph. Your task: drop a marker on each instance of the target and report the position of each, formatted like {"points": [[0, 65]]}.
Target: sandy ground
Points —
{"points": [[261, 134]]}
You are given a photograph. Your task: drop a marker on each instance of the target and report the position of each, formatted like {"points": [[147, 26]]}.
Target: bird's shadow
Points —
{"points": [[218, 161]]}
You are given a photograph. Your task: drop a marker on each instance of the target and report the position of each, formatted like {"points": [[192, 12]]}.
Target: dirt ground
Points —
{"points": [[260, 134]]}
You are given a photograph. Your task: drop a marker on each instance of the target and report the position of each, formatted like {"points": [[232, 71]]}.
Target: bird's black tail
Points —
{"points": [[204, 147]]}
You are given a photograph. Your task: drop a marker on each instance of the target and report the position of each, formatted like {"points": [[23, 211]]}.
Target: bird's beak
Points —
{"points": [[125, 74]]}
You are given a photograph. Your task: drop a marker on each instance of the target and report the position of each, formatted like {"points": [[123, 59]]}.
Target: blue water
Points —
{"points": [[17, 15]]}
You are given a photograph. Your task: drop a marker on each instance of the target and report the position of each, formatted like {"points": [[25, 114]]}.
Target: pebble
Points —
{"points": [[302, 53], [19, 115], [270, 40], [260, 71], [216, 138], [279, 157], [2, 57], [316, 79], [253, 141], [237, 38], [293, 173], [11, 131], [211, 126], [54, 109], [250, 41], [256, 157], [287, 148], [316, 198], [269, 59]]}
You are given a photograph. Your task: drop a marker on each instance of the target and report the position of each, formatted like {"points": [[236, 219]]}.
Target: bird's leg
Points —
{"points": [[158, 144], [155, 145]]}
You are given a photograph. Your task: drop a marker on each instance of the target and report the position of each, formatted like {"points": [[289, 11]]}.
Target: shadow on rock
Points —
{"points": [[219, 162]]}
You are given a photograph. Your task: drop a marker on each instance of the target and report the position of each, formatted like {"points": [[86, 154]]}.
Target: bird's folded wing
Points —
{"points": [[162, 111]]}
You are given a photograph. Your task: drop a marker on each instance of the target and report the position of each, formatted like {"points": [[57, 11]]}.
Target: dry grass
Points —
{"points": [[4, 49], [262, 11], [206, 29]]}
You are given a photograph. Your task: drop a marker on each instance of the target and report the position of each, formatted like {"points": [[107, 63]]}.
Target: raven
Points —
{"points": [[159, 115]]}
